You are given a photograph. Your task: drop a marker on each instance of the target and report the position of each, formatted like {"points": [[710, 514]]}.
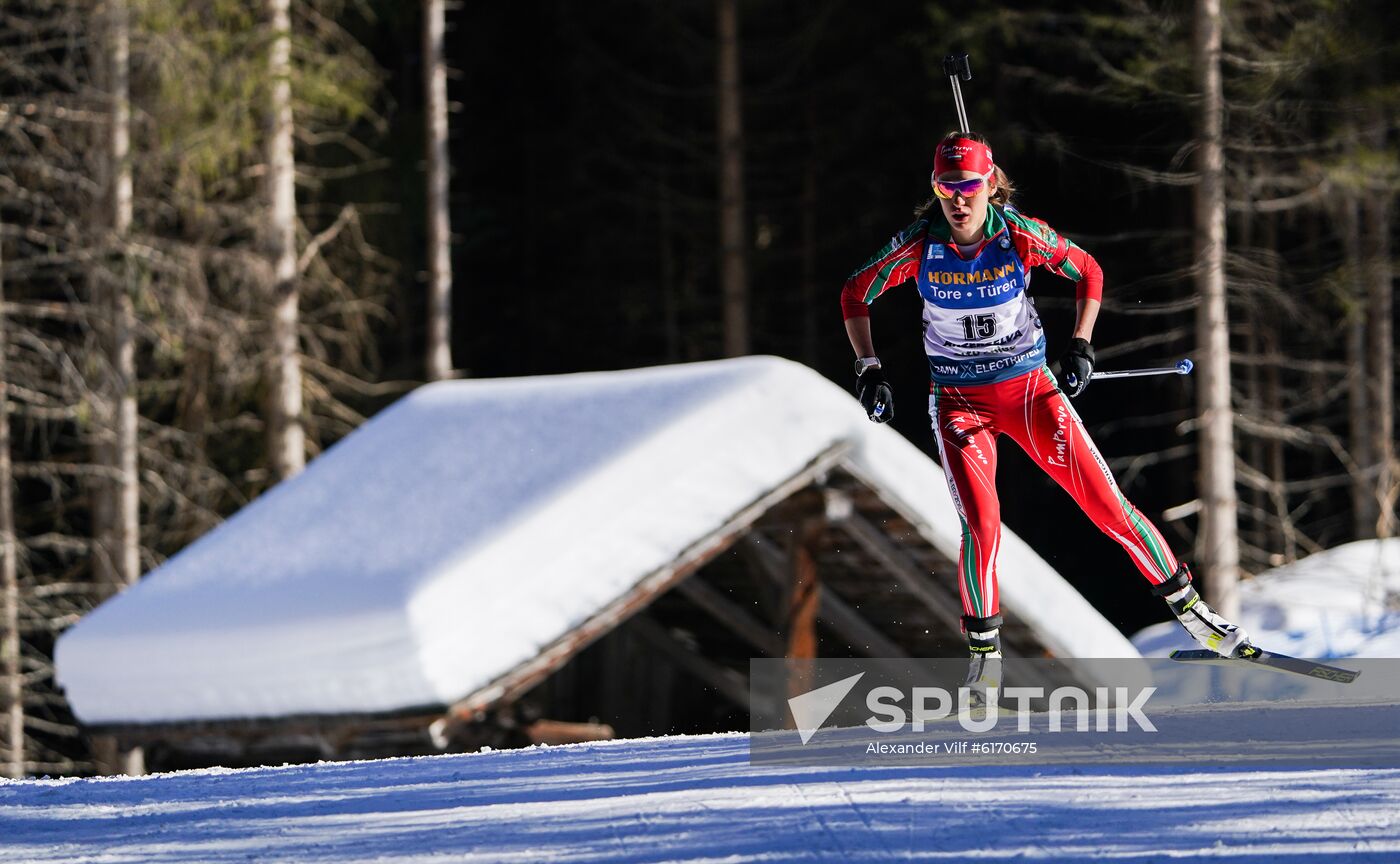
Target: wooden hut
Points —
{"points": [[549, 559]]}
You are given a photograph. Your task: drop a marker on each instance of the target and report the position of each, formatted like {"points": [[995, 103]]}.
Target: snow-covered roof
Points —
{"points": [[1336, 603], [473, 524]]}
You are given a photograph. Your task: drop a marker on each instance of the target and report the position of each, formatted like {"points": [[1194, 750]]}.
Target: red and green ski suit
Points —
{"points": [[986, 354]]}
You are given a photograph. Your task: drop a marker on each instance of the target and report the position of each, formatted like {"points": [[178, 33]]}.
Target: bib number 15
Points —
{"points": [[978, 326]]}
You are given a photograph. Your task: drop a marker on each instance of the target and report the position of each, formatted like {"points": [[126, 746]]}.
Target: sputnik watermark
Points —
{"points": [[1068, 708], [852, 711], [1114, 714]]}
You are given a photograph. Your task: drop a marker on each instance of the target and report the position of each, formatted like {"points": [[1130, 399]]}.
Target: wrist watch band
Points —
{"points": [[866, 363]]}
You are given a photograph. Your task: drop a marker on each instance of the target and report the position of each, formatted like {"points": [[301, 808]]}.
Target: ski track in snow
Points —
{"points": [[698, 799]]}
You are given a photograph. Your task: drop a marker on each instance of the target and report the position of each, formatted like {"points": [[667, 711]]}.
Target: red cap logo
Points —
{"points": [[963, 154]]}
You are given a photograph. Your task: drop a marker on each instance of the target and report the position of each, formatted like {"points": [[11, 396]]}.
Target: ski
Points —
{"points": [[1278, 662]]}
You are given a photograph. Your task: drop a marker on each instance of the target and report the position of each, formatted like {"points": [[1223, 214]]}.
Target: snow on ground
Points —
{"points": [[698, 799], [1337, 603]]}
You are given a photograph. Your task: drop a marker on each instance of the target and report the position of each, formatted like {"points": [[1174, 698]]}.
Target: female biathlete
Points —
{"points": [[971, 258]]}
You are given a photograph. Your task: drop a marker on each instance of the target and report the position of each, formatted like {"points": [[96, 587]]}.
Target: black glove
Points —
{"points": [[1076, 366], [875, 394]]}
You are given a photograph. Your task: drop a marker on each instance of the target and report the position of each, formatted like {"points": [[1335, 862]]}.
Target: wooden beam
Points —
{"points": [[840, 616], [804, 591], [111, 758], [859, 633], [909, 575], [249, 732], [731, 615], [803, 600], [730, 684], [561, 732]]}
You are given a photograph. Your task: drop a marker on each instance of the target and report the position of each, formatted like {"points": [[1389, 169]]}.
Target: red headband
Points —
{"points": [[963, 154]]}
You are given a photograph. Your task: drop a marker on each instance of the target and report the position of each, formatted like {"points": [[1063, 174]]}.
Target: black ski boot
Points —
{"points": [[1204, 624], [984, 666]]}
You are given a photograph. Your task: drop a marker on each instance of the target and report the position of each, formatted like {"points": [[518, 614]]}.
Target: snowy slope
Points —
{"points": [[1342, 602], [473, 523], [697, 799]]}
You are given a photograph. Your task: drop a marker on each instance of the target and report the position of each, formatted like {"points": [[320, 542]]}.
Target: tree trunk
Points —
{"points": [[1253, 528], [11, 671], [116, 528], [126, 487], [287, 438], [117, 500], [1219, 552], [734, 288], [1275, 467], [1377, 213], [1363, 489], [439, 359], [1381, 365]]}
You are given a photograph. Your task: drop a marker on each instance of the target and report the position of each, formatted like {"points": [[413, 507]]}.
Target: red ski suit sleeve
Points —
{"points": [[1037, 244], [1040, 246]]}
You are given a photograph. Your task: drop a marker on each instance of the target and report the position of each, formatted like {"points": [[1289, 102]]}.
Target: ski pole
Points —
{"points": [[955, 66], [1182, 367]]}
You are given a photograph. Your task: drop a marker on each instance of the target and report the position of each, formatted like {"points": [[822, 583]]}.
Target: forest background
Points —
{"points": [[220, 249]]}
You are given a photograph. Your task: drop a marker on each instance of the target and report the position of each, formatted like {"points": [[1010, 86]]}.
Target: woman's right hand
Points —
{"points": [[875, 394], [1076, 367]]}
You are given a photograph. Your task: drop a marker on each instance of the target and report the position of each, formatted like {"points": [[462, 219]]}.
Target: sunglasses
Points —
{"points": [[946, 189]]}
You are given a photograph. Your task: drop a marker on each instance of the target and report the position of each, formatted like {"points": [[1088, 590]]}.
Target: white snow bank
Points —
{"points": [[698, 799], [472, 523], [1342, 602]]}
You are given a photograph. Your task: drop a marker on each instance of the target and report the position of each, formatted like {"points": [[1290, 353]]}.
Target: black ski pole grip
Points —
{"points": [[957, 66]]}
